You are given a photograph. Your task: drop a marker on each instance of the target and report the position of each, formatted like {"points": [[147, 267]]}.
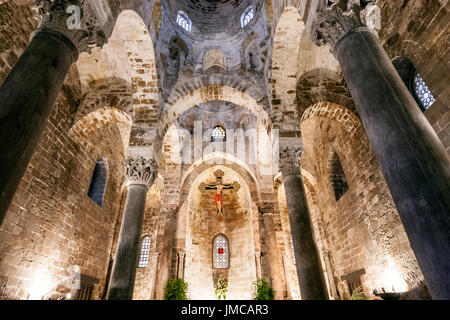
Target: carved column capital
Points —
{"points": [[141, 171], [337, 18], [290, 161], [76, 20]]}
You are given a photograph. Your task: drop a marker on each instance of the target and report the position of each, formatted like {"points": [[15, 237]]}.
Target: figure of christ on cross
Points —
{"points": [[219, 186]]}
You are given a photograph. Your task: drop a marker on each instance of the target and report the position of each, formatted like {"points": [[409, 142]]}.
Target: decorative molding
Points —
{"points": [[290, 161], [141, 171], [337, 18], [74, 19]]}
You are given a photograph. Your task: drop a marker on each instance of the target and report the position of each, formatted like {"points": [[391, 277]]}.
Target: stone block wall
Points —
{"points": [[418, 30], [52, 225], [362, 229]]}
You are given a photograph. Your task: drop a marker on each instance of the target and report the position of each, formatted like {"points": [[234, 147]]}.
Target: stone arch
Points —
{"points": [[286, 45], [221, 159], [251, 58], [350, 122], [322, 85], [88, 124], [111, 92], [248, 86], [205, 94]]}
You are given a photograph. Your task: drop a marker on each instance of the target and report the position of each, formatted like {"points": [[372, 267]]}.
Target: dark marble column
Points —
{"points": [[309, 269], [411, 156], [29, 92], [141, 174]]}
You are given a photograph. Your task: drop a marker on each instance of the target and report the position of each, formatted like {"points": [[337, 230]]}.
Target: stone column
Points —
{"points": [[309, 269], [141, 174], [28, 93], [412, 158], [271, 246]]}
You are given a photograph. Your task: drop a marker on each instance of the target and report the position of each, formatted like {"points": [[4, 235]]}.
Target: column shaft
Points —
{"points": [[26, 99], [124, 269], [309, 269], [273, 255], [411, 156]]}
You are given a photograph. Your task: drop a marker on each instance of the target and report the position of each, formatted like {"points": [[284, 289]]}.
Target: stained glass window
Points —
{"points": [[145, 252], [422, 92], [218, 134], [247, 16], [220, 252], [184, 21]]}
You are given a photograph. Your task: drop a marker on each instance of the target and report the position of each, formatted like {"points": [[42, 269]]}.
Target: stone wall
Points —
{"points": [[423, 39], [362, 229], [52, 224]]}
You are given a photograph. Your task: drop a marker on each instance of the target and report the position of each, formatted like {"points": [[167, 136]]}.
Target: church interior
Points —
{"points": [[220, 142]]}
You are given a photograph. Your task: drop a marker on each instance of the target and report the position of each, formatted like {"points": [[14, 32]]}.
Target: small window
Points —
{"points": [[145, 252], [98, 182], [218, 134], [220, 252], [247, 16], [337, 177], [184, 21], [414, 82], [422, 92]]}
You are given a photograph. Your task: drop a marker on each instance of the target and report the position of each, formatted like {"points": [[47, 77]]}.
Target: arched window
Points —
{"points": [[221, 256], [184, 21], [247, 16], [98, 182], [337, 177], [414, 82], [218, 134], [145, 252], [422, 92]]}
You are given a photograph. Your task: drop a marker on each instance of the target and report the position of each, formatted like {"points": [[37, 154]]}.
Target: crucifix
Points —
{"points": [[219, 186]]}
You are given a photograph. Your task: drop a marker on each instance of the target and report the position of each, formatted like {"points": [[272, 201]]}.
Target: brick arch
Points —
{"points": [[111, 92], [322, 84], [246, 85], [349, 121], [202, 95], [221, 159], [93, 121]]}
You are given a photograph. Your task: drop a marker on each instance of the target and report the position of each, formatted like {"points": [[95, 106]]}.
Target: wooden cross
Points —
{"points": [[219, 186]]}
